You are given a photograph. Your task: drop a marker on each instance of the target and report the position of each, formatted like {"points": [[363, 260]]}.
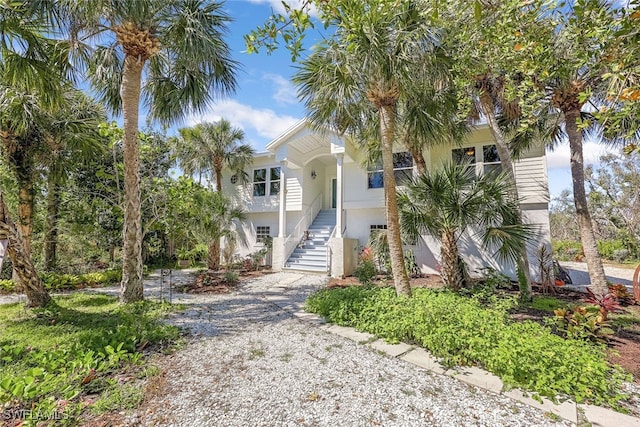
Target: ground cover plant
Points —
{"points": [[67, 282], [463, 330], [80, 354]]}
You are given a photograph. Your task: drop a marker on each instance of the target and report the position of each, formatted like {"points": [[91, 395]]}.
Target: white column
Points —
{"points": [[282, 224], [339, 158]]}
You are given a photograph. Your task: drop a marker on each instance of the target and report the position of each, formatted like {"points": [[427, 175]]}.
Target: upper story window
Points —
{"points": [[266, 182], [482, 161], [464, 157], [491, 159], [402, 168]]}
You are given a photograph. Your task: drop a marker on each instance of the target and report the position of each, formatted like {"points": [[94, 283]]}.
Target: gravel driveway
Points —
{"points": [[580, 275], [248, 362]]}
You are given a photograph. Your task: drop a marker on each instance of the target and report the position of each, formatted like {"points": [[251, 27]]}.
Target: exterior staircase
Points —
{"points": [[311, 254]]}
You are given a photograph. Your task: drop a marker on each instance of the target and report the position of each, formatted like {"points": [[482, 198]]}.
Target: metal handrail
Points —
{"points": [[293, 239]]}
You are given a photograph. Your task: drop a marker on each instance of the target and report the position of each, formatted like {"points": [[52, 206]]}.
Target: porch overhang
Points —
{"points": [[299, 145]]}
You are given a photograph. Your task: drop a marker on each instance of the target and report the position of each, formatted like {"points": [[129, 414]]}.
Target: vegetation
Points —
{"points": [[52, 358], [462, 330], [174, 55], [450, 201]]}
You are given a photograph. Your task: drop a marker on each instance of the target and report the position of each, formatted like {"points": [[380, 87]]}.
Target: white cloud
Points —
{"points": [[277, 6], [265, 122], [284, 92], [560, 157]]}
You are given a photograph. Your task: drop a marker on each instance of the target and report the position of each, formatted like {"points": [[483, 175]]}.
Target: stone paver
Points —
{"points": [[393, 350], [566, 410], [603, 417], [350, 333], [477, 377], [421, 357]]}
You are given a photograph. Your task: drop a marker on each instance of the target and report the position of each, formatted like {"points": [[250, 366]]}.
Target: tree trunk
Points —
{"points": [[450, 265], [396, 255], [587, 235], [131, 286], [418, 159], [37, 296], [53, 207], [506, 161], [217, 168], [213, 262]]}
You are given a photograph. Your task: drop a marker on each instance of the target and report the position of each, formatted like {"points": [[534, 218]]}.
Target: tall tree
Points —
{"points": [[449, 201], [381, 53], [209, 148], [71, 135], [32, 62], [170, 52], [558, 63]]}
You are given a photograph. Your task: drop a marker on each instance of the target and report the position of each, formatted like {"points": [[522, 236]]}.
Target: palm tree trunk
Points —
{"points": [[25, 215], [450, 264], [53, 207], [131, 286], [217, 168], [37, 296], [506, 161], [418, 159], [214, 255], [587, 235], [387, 131]]}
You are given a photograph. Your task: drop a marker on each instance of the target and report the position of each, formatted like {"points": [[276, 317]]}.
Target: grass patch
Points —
{"points": [[465, 331], [51, 358], [547, 303]]}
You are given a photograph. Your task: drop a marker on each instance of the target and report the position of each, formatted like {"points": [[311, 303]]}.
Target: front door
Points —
{"points": [[333, 193]]}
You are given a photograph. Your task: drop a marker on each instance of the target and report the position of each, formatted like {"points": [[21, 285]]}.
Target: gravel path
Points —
{"points": [[580, 275], [248, 362]]}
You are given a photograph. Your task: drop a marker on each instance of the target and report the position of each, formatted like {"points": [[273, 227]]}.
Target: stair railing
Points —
{"points": [[296, 235]]}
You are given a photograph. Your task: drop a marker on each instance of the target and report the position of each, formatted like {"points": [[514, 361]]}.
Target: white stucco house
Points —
{"points": [[311, 194]]}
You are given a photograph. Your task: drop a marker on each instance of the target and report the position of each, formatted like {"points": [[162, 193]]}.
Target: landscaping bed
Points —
{"points": [[81, 356], [220, 282], [493, 332]]}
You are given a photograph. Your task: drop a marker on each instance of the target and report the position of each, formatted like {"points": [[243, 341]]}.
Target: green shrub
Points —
{"points": [[366, 271], [7, 285], [231, 277], [463, 330], [77, 345], [566, 250]]}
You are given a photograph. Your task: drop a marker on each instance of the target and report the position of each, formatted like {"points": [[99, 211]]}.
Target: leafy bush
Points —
{"points": [[7, 285], [582, 323], [620, 255], [231, 277], [58, 282], [366, 269], [566, 250], [461, 330], [607, 248], [76, 346], [606, 303]]}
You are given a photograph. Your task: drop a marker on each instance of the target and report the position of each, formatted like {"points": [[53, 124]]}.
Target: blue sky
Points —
{"points": [[265, 103]]}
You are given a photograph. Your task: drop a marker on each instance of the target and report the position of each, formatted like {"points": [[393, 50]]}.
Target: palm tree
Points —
{"points": [[71, 136], [579, 46], [449, 201], [33, 65], [218, 221], [170, 52], [381, 54], [212, 147]]}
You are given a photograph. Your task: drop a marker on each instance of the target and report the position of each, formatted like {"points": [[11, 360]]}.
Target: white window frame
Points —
{"points": [[479, 164], [379, 172], [268, 182], [262, 231]]}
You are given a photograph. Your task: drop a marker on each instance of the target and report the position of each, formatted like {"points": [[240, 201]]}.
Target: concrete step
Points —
{"points": [[310, 269]]}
